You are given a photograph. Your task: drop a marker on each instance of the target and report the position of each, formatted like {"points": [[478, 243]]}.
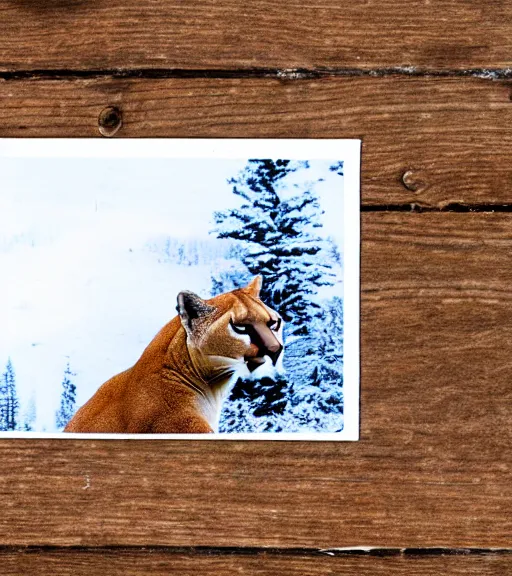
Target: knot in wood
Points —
{"points": [[110, 121], [410, 182]]}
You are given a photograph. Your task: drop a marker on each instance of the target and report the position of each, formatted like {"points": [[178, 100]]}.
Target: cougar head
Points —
{"points": [[231, 333]]}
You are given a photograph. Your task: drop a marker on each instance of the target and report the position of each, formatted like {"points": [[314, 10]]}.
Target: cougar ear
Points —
{"points": [[191, 308], [254, 286]]}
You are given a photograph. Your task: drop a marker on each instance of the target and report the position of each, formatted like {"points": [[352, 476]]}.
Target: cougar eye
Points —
{"points": [[239, 328], [274, 325]]}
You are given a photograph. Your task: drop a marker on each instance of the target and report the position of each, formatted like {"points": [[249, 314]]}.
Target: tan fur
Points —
{"points": [[187, 371]]}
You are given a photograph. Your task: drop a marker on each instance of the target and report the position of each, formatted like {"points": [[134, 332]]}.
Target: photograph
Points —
{"points": [[202, 289]]}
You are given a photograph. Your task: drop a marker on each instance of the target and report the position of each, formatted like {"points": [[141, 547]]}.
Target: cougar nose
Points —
{"points": [[274, 352]]}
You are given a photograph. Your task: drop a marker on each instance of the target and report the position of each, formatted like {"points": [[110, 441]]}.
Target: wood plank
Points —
{"points": [[432, 468], [449, 137], [75, 34], [156, 563]]}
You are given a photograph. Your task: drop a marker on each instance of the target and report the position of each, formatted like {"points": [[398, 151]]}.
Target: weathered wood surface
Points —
{"points": [[228, 34], [427, 141], [159, 563], [433, 467]]}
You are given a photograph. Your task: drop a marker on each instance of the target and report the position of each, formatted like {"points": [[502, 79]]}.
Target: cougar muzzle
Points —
{"points": [[268, 345]]}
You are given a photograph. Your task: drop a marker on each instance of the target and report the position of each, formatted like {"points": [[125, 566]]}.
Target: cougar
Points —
{"points": [[188, 370]]}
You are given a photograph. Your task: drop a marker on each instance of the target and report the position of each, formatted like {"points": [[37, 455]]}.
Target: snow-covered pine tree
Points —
{"points": [[276, 227], [29, 415], [316, 394], [3, 404], [9, 403], [278, 232], [67, 400], [227, 276], [337, 167]]}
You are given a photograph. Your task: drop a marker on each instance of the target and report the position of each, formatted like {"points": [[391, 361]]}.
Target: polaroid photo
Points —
{"points": [[202, 289]]}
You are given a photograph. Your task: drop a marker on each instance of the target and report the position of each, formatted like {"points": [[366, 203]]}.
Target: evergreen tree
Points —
{"points": [[67, 400], [278, 230], [276, 225], [181, 254], [337, 167], [3, 402], [29, 415], [316, 394], [9, 403], [227, 277]]}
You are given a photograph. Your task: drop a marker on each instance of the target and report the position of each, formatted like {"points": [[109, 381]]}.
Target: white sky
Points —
{"points": [[163, 195], [74, 283]]}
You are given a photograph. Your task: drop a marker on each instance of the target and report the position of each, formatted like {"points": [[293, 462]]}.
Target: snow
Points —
{"points": [[91, 263], [297, 263], [63, 306]]}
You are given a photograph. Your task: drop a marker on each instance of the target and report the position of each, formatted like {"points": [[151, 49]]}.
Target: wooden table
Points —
{"points": [[427, 86]]}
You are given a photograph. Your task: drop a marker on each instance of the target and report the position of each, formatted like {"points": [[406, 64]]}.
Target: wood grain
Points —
{"points": [[158, 563], [432, 468], [427, 141], [227, 34]]}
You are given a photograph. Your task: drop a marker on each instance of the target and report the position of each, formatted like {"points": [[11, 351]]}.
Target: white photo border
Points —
{"points": [[348, 150]]}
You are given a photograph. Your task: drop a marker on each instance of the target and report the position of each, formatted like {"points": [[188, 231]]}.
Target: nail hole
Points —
{"points": [[110, 121]]}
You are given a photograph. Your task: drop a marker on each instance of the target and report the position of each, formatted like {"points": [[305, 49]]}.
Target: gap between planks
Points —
{"points": [[244, 73], [453, 207], [257, 551]]}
